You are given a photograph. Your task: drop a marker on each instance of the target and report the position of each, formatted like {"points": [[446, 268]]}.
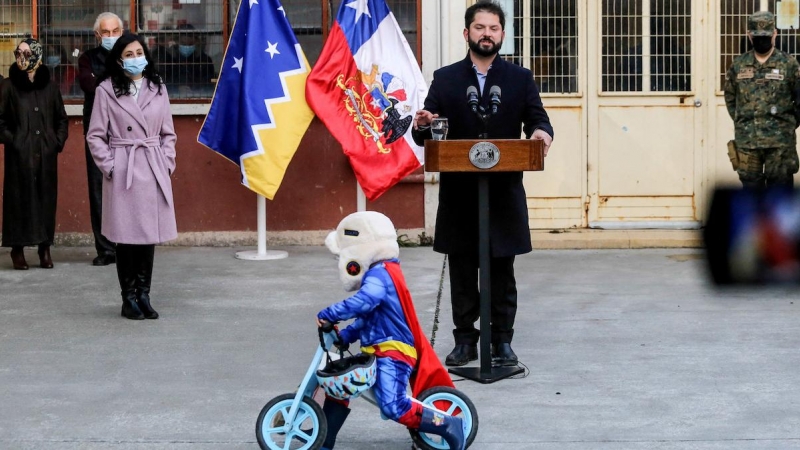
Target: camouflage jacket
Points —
{"points": [[763, 100]]}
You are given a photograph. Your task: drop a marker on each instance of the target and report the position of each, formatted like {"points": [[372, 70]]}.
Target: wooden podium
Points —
{"points": [[484, 156]]}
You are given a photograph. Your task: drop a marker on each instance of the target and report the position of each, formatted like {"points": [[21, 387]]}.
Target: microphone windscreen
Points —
{"points": [[494, 90], [472, 90]]}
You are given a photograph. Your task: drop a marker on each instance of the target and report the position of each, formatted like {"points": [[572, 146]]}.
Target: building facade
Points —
{"points": [[633, 88]]}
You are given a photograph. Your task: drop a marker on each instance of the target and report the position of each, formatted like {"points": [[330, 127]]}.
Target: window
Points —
{"points": [[186, 37], [646, 46], [543, 36], [733, 29], [64, 29], [308, 19]]}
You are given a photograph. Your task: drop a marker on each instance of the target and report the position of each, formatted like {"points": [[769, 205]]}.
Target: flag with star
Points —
{"points": [[259, 112], [366, 87]]}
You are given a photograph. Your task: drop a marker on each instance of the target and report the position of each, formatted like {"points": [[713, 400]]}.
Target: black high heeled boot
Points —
{"points": [[45, 261], [144, 275], [126, 273], [18, 258]]}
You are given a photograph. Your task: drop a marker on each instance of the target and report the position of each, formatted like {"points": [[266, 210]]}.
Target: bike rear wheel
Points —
{"points": [[450, 401], [306, 432]]}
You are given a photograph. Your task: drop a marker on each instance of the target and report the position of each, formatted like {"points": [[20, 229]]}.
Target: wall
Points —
{"points": [[319, 189]]}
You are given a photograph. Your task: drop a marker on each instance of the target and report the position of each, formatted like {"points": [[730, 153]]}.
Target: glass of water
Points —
{"points": [[439, 128]]}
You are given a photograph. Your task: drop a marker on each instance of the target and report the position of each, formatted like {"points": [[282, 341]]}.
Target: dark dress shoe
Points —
{"points": [[45, 262], [104, 260], [503, 355], [462, 354], [18, 259]]}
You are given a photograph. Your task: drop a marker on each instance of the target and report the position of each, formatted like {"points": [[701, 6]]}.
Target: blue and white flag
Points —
{"points": [[259, 112]]}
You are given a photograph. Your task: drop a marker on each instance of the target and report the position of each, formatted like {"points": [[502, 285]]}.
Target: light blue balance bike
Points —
{"points": [[295, 421]]}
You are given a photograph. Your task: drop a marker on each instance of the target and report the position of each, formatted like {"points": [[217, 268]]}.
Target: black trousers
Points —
{"points": [[95, 178], [465, 298]]}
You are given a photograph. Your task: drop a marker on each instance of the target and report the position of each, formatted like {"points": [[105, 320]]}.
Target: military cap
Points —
{"points": [[761, 23]]}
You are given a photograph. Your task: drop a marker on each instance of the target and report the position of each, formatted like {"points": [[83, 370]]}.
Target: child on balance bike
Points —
{"points": [[386, 324]]}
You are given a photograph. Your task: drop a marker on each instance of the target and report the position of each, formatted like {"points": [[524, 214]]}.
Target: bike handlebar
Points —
{"points": [[327, 327]]}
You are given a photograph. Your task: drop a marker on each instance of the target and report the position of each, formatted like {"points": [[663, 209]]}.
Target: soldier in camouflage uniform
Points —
{"points": [[762, 90]]}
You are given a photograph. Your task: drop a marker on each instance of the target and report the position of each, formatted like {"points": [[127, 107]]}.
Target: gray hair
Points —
{"points": [[106, 16]]}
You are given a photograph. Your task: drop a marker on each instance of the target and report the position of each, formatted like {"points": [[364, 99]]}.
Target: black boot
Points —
{"points": [[144, 273], [450, 428], [45, 261], [335, 414], [18, 258], [126, 272]]}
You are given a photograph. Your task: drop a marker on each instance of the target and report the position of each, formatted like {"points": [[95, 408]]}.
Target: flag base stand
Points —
{"points": [[486, 377], [254, 255], [262, 254]]}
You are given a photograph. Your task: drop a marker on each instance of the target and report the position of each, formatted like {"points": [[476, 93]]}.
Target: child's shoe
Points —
{"points": [[450, 428]]}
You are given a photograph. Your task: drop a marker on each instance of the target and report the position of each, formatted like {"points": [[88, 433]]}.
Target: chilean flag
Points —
{"points": [[366, 87]]}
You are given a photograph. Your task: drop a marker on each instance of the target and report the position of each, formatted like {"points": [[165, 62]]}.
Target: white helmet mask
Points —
{"points": [[361, 239]]}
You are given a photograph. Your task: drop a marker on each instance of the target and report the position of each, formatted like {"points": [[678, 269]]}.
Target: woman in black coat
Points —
{"points": [[33, 127]]}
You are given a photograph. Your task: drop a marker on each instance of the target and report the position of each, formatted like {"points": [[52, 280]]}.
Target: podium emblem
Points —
{"points": [[484, 155]]}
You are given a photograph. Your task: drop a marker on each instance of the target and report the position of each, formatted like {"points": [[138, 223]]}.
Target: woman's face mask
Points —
{"points": [[762, 44], [134, 66]]}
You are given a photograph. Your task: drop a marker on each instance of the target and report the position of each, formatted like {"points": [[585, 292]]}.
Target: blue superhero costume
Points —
{"points": [[380, 324]]}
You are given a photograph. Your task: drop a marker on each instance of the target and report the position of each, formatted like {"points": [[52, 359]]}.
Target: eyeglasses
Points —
{"points": [[25, 54]]}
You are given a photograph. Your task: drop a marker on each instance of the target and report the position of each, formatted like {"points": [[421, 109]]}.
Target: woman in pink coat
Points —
{"points": [[132, 140]]}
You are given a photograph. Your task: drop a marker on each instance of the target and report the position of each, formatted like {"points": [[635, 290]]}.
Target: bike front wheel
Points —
{"points": [[306, 432], [449, 401]]}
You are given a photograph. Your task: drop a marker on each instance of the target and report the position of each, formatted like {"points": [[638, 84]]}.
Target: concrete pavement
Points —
{"points": [[627, 349]]}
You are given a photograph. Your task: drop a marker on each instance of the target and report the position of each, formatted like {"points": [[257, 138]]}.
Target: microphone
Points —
{"points": [[494, 98], [472, 98]]}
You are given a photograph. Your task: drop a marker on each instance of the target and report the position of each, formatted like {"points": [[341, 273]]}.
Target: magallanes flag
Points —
{"points": [[366, 87], [259, 112]]}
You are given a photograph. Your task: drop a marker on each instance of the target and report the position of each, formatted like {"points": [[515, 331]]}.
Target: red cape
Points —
{"points": [[429, 371]]}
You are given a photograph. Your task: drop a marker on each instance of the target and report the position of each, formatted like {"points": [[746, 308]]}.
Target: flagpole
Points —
{"points": [[262, 253], [361, 198]]}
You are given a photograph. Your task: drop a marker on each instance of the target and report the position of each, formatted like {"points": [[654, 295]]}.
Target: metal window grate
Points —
{"points": [[65, 31], [733, 32], [170, 28], [554, 40], [787, 38], [305, 16], [15, 24], [670, 45], [646, 46], [622, 46], [185, 38], [550, 46]]}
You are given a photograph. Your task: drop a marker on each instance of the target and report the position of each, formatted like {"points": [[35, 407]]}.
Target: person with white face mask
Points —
{"points": [[132, 140], [108, 27]]}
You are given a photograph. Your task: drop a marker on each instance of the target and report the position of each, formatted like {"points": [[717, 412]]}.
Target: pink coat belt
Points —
{"points": [[132, 145]]}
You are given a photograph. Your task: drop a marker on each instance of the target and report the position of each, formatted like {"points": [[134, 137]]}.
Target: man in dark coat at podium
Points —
{"points": [[518, 109]]}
